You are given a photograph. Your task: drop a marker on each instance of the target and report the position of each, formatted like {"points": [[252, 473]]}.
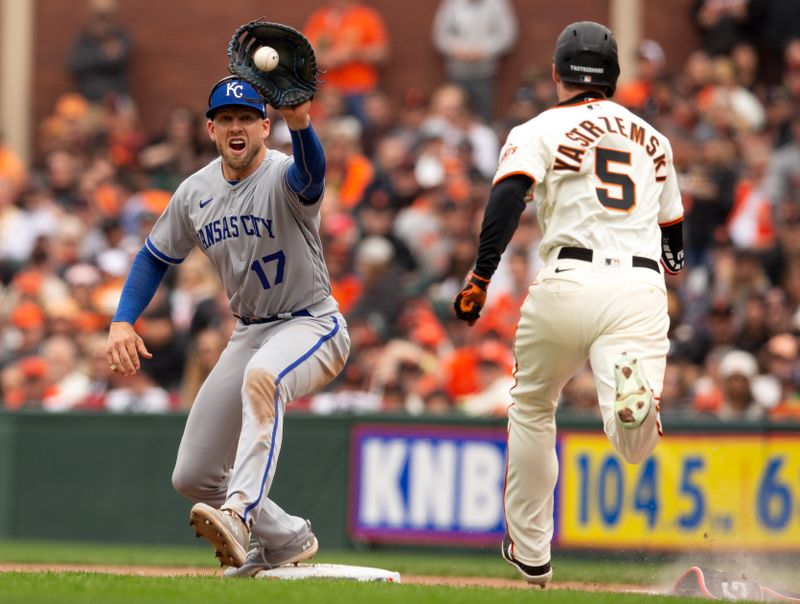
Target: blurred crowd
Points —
{"points": [[408, 178]]}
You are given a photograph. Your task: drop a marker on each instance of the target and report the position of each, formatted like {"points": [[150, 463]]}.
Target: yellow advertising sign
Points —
{"points": [[724, 491]]}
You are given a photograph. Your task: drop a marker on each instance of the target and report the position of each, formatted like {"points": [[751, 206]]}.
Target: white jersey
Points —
{"points": [[603, 178], [262, 240]]}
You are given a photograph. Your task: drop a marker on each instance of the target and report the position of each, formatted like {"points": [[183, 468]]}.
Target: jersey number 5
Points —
{"points": [[603, 157], [259, 270]]}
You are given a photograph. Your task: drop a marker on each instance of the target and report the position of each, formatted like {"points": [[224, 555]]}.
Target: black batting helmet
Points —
{"points": [[586, 53]]}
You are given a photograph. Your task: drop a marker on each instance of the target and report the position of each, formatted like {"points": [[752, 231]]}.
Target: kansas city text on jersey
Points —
{"points": [[229, 227], [569, 157]]}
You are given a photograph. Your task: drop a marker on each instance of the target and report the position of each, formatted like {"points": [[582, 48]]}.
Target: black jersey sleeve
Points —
{"points": [[500, 220]]}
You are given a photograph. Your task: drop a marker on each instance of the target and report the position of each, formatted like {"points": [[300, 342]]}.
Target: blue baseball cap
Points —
{"points": [[234, 91]]}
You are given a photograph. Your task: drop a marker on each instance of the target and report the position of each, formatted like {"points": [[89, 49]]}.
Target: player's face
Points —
{"points": [[239, 134]]}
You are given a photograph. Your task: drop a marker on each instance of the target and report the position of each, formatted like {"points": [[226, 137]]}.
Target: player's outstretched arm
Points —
{"points": [[124, 345], [306, 176]]}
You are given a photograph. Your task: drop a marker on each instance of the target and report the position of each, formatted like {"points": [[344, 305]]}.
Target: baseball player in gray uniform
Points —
{"points": [[255, 212], [609, 207]]}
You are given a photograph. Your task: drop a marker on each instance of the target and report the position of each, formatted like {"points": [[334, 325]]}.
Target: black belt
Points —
{"points": [[259, 320], [581, 253]]}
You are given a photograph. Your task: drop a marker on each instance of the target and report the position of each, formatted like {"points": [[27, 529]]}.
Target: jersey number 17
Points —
{"points": [[258, 269]]}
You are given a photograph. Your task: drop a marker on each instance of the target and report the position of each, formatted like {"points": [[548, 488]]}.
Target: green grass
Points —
{"points": [[88, 588], [58, 588], [415, 563]]}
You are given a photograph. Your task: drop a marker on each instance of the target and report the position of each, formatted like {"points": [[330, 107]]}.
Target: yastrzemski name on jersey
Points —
{"points": [[234, 226], [569, 157]]}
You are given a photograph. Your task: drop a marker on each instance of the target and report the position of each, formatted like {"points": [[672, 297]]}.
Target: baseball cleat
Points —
{"points": [[261, 558], [224, 530], [633, 395], [535, 575]]}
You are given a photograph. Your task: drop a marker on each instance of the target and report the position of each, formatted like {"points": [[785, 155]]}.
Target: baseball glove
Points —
{"points": [[294, 79]]}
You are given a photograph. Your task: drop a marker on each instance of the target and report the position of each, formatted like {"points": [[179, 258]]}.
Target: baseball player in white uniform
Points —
{"points": [[609, 207], [255, 212]]}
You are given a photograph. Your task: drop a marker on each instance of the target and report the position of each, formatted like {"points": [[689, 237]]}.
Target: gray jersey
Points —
{"points": [[262, 240]]}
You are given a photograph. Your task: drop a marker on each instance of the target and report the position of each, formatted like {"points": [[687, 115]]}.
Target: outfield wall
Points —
{"points": [[402, 480]]}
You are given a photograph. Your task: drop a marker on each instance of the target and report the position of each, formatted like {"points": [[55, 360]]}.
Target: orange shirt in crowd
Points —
{"points": [[634, 94], [750, 219], [358, 173], [12, 167], [460, 372], [347, 291], [353, 27]]}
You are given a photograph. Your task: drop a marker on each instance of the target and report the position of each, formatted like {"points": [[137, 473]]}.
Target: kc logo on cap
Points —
{"points": [[234, 91]]}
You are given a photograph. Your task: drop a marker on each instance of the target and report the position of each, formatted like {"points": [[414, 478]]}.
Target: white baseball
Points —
{"points": [[266, 58]]}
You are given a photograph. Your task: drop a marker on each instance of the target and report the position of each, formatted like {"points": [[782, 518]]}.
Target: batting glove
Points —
{"points": [[470, 300]]}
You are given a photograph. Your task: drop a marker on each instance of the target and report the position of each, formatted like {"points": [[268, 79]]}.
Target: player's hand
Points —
{"points": [[297, 117], [470, 300], [124, 349]]}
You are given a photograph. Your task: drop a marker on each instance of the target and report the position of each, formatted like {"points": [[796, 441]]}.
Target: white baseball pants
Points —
{"points": [[230, 446], [576, 310]]}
